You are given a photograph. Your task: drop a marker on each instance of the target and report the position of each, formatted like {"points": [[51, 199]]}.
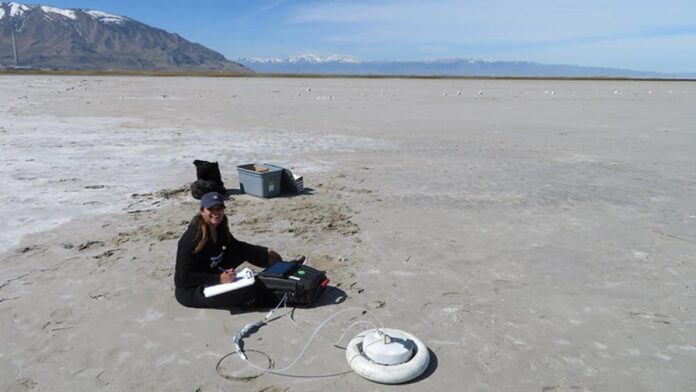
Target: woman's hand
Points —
{"points": [[273, 257], [228, 276]]}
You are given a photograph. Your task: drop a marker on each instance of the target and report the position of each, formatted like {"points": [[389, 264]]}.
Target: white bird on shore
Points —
{"points": [[459, 92], [616, 92], [309, 89], [649, 92], [546, 92], [480, 92], [553, 93], [444, 94]]}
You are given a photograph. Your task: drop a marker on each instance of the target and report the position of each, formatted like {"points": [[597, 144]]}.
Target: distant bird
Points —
{"points": [[669, 92], [444, 94], [553, 93], [546, 92], [616, 92], [309, 89], [649, 92], [480, 92], [459, 92]]}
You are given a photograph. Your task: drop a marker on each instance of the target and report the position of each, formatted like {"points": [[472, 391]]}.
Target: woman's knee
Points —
{"points": [[185, 298]]}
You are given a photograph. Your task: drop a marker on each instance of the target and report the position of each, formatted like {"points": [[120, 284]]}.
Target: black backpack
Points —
{"points": [[209, 179]]}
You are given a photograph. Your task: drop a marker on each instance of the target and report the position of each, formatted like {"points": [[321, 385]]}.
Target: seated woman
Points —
{"points": [[208, 254]]}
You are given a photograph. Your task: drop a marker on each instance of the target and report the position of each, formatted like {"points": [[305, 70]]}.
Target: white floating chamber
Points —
{"points": [[387, 356]]}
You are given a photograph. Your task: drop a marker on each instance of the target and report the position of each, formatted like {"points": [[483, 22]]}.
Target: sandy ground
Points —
{"points": [[536, 235]]}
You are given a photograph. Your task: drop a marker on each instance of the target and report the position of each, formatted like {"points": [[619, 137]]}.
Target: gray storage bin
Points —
{"points": [[260, 184], [289, 182]]}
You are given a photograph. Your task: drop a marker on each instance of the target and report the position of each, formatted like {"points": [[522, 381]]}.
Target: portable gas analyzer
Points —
{"points": [[301, 285]]}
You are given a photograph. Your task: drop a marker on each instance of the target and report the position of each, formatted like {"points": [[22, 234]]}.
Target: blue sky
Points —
{"points": [[635, 34]]}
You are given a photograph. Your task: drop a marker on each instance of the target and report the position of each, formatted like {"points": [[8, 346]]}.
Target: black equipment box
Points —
{"points": [[301, 284]]}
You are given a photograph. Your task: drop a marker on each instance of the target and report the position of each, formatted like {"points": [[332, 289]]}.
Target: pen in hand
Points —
{"points": [[227, 275]]}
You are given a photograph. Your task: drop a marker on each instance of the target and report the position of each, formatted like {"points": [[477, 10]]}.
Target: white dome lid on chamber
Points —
{"points": [[387, 349]]}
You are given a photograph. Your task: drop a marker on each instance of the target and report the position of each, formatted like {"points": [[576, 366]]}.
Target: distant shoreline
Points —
{"points": [[325, 76]]}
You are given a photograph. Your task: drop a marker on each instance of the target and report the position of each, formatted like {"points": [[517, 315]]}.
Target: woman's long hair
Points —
{"points": [[202, 232]]}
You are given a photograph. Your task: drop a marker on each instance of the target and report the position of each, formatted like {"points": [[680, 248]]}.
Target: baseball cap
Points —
{"points": [[210, 199]]}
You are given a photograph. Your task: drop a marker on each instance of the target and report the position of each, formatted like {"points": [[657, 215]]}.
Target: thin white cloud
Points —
{"points": [[271, 5], [673, 54], [494, 21], [634, 34]]}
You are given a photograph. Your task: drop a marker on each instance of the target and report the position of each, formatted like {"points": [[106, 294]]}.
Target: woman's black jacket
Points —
{"points": [[204, 267]]}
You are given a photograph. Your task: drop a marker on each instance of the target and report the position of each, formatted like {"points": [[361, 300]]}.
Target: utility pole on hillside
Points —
{"points": [[14, 48]]}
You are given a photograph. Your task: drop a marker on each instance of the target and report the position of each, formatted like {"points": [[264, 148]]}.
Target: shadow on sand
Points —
{"points": [[286, 195]]}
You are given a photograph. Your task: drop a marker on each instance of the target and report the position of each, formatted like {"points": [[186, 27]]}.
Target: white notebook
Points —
{"points": [[245, 277]]}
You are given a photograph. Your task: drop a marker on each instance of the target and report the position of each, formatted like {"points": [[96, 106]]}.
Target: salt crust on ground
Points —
{"points": [[536, 235]]}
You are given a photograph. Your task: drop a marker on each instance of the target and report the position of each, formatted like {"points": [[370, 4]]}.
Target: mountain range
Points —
{"points": [[346, 65], [46, 37], [40, 36]]}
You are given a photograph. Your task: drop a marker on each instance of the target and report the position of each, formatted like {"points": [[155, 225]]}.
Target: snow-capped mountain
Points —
{"points": [[346, 65], [301, 59], [42, 36]]}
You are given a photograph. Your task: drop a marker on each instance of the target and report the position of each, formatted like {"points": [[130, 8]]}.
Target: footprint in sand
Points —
{"points": [[558, 388], [89, 244], [654, 317], [25, 384]]}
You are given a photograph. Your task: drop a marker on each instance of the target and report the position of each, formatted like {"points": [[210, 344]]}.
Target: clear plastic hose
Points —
{"points": [[323, 323]]}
